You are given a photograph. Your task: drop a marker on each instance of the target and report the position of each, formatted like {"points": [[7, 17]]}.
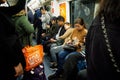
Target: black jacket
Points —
{"points": [[99, 65], [61, 32], [10, 48]]}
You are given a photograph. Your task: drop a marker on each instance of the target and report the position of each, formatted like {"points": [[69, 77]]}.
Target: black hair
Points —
{"points": [[54, 18], [43, 8], [61, 18], [1, 2]]}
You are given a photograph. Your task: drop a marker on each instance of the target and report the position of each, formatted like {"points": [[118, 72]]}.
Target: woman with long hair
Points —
{"points": [[103, 41]]}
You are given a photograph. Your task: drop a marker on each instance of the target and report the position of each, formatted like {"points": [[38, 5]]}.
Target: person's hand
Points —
{"points": [[52, 40], [43, 34], [19, 70], [78, 45], [69, 42]]}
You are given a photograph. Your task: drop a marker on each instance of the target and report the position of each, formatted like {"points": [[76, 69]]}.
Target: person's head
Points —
{"points": [[60, 20], [53, 20], [110, 8], [79, 24], [67, 25], [2, 1], [43, 9]]}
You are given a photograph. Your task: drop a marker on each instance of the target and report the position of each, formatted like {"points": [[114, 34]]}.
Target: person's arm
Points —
{"points": [[18, 70], [82, 43], [66, 34], [26, 25], [13, 9]]}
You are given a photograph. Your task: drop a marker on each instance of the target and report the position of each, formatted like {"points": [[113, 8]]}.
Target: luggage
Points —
{"points": [[35, 74]]}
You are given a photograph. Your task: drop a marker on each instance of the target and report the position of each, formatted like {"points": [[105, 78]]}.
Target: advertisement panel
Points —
{"points": [[33, 5], [62, 7]]}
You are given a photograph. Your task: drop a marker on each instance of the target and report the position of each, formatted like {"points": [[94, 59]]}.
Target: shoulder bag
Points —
{"points": [[69, 47], [112, 57], [33, 55]]}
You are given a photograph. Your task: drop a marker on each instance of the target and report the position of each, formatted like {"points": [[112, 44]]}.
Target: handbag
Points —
{"points": [[69, 47], [33, 56], [112, 57]]}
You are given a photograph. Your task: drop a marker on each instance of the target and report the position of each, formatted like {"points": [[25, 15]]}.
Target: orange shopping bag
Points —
{"points": [[33, 56]]}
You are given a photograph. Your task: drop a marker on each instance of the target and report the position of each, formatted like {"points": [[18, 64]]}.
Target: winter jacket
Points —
{"points": [[99, 65], [10, 48]]}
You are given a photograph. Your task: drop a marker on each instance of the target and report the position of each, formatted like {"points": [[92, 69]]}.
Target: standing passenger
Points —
{"points": [[37, 23], [23, 27], [100, 63], [11, 58], [45, 19]]}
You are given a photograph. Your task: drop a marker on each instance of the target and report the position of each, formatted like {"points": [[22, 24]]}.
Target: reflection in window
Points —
{"points": [[84, 9]]}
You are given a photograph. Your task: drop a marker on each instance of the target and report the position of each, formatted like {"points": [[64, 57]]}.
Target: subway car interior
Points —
{"points": [[50, 38]]}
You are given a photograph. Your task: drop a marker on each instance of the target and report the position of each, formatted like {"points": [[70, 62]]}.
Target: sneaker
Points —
{"points": [[54, 65]]}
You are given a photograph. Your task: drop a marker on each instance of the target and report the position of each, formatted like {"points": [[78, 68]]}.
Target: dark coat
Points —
{"points": [[37, 22], [61, 32], [50, 32], [10, 49], [99, 65]]}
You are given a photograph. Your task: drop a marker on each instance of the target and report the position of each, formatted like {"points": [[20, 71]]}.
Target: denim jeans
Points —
{"points": [[61, 59], [54, 51]]}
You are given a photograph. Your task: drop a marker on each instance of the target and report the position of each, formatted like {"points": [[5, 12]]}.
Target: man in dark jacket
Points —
{"points": [[38, 25], [60, 30]]}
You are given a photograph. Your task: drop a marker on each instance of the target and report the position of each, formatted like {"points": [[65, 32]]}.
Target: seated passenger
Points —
{"points": [[56, 49], [60, 30], [50, 31], [77, 37]]}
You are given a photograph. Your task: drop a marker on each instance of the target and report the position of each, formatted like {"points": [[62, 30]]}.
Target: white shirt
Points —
{"points": [[58, 34]]}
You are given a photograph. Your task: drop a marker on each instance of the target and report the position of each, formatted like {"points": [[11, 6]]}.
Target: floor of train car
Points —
{"points": [[48, 70]]}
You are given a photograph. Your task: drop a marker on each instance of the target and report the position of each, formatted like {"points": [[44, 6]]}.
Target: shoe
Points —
{"points": [[54, 77], [53, 65]]}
